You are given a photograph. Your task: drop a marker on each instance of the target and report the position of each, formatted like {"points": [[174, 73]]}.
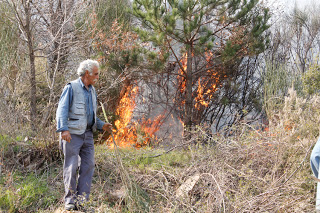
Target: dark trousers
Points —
{"points": [[79, 153]]}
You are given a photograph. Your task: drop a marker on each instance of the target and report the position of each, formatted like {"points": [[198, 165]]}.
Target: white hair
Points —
{"points": [[87, 65]]}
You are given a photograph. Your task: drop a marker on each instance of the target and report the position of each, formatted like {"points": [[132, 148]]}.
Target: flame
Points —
{"points": [[182, 71], [206, 88], [130, 133], [206, 85], [146, 131], [124, 131], [182, 123]]}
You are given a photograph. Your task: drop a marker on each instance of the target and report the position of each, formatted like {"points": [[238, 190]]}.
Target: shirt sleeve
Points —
{"points": [[63, 108], [100, 124]]}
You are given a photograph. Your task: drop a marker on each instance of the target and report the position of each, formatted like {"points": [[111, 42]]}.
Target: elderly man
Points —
{"points": [[76, 121]]}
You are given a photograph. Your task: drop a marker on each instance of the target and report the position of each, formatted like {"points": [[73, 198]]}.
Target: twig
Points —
{"points": [[130, 186], [314, 178], [298, 166], [169, 150], [223, 203], [152, 190]]}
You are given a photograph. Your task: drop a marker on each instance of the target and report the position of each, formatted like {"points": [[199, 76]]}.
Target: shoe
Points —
{"points": [[80, 207], [70, 206]]}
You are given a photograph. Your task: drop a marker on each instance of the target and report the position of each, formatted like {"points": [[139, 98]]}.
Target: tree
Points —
{"points": [[48, 36], [57, 42], [23, 15], [292, 54], [305, 34], [9, 72], [213, 37], [9, 43], [114, 46]]}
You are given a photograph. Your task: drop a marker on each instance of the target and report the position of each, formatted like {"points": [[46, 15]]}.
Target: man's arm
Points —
{"points": [[100, 124], [103, 126], [63, 112]]}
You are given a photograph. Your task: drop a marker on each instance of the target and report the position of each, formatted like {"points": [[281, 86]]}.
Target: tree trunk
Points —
{"points": [[189, 101], [33, 89], [32, 75]]}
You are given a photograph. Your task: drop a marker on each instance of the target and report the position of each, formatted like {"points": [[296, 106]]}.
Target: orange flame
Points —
{"points": [[146, 131], [124, 131], [205, 87], [205, 91], [181, 79], [129, 133]]}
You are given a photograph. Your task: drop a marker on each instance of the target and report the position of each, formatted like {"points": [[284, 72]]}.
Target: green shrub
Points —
{"points": [[7, 200], [26, 194], [311, 80], [4, 142]]}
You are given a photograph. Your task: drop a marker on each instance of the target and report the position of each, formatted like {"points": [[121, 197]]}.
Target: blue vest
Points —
{"points": [[77, 120]]}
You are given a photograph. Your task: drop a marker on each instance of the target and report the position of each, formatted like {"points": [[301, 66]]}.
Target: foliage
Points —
{"points": [[119, 51], [300, 115], [8, 41], [11, 63], [25, 193], [207, 41], [276, 83], [114, 47], [311, 80], [108, 11]]}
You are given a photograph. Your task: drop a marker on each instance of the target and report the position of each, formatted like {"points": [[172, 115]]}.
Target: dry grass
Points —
{"points": [[248, 171], [240, 170]]}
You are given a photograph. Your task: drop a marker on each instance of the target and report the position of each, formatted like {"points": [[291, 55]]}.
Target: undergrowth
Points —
{"points": [[25, 193], [242, 169]]}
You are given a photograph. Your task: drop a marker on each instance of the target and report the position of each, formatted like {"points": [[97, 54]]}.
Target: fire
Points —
{"points": [[200, 99], [206, 88], [182, 72], [130, 133], [124, 131], [139, 133], [146, 131], [206, 85]]}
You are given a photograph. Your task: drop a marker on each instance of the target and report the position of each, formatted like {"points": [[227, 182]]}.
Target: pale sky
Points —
{"points": [[281, 7], [288, 4], [301, 3]]}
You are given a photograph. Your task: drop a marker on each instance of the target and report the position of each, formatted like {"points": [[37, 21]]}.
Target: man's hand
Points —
{"points": [[65, 135], [107, 127]]}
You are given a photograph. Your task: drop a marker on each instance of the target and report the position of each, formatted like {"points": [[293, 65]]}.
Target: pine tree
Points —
{"points": [[213, 36]]}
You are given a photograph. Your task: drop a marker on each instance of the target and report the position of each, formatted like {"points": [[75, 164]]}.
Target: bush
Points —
{"points": [[311, 80], [25, 194]]}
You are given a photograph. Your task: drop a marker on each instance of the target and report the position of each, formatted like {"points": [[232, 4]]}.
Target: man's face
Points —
{"points": [[94, 77]]}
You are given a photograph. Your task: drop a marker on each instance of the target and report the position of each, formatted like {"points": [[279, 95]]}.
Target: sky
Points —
{"points": [[288, 4], [300, 3], [281, 8]]}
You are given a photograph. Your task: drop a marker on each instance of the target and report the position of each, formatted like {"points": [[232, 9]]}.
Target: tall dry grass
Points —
{"points": [[243, 169], [251, 170]]}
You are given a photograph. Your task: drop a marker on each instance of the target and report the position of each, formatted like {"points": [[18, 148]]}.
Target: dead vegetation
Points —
{"points": [[249, 170], [243, 169]]}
